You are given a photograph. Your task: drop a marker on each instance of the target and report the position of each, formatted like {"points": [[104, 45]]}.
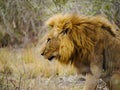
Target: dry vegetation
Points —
{"points": [[21, 21], [23, 69]]}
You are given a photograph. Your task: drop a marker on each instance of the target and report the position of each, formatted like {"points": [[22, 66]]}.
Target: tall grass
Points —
{"points": [[18, 68], [30, 59]]}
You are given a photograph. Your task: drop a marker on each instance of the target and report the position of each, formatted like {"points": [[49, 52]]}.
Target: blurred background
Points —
{"points": [[21, 33], [21, 21]]}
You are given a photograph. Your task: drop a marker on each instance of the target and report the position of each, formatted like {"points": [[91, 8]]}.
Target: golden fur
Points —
{"points": [[89, 43]]}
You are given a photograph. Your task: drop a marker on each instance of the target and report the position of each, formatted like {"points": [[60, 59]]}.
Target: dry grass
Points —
{"points": [[29, 59], [20, 67]]}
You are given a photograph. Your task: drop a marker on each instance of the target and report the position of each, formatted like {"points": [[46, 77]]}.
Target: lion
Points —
{"points": [[91, 44]]}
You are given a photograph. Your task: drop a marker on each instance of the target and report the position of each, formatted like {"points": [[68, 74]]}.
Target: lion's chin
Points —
{"points": [[51, 58]]}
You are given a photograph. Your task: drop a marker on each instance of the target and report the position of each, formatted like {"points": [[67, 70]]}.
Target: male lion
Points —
{"points": [[89, 43]]}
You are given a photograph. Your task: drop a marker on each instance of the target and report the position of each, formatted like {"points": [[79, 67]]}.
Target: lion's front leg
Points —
{"points": [[92, 78], [91, 82]]}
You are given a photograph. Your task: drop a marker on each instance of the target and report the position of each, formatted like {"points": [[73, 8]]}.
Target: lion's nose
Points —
{"points": [[42, 53]]}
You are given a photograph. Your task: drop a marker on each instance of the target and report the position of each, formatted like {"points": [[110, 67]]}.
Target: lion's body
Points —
{"points": [[89, 43]]}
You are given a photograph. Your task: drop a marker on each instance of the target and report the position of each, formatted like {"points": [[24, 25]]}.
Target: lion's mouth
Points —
{"points": [[51, 58]]}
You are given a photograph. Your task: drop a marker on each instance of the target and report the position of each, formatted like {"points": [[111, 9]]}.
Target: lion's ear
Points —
{"points": [[67, 27]]}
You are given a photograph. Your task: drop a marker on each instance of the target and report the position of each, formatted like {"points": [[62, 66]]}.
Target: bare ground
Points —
{"points": [[59, 83]]}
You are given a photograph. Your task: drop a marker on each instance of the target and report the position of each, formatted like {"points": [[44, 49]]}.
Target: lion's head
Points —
{"points": [[56, 48]]}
